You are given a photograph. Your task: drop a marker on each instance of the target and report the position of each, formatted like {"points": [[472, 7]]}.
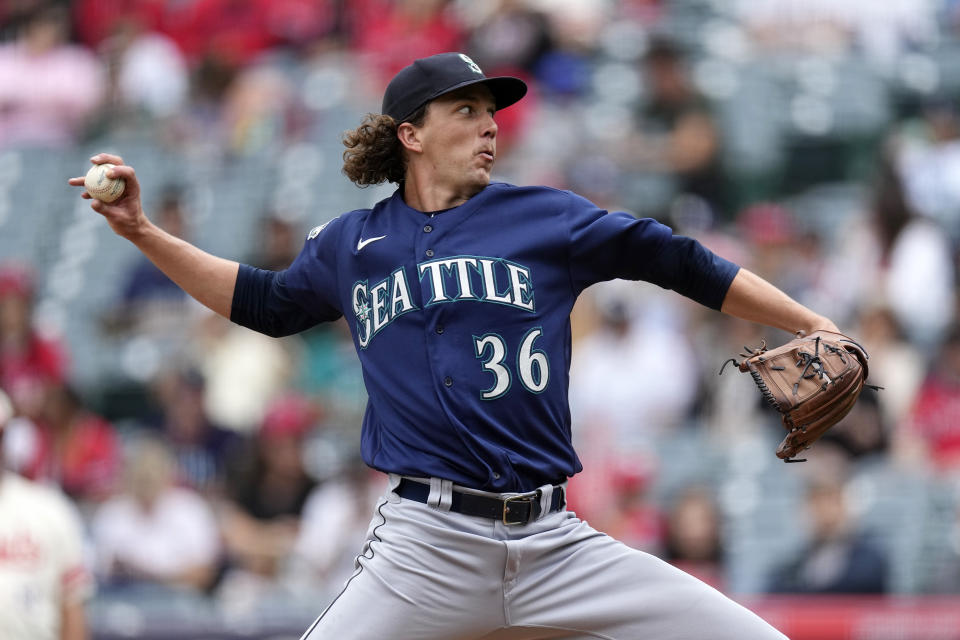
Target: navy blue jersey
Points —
{"points": [[461, 321]]}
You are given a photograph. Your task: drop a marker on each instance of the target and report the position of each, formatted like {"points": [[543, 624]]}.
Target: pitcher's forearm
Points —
{"points": [[752, 298], [208, 279]]}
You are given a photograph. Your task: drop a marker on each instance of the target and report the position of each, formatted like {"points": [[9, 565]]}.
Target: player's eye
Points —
{"points": [[466, 109]]}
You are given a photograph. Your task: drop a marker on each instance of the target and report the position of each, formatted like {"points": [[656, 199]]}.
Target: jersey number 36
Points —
{"points": [[531, 364]]}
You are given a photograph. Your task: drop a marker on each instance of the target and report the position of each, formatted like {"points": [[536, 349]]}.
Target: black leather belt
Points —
{"points": [[519, 509]]}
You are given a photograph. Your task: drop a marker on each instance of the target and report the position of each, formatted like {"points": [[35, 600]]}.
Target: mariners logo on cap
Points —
{"points": [[470, 63]]}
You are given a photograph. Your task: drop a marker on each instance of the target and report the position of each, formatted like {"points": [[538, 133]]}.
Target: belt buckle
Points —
{"points": [[527, 498]]}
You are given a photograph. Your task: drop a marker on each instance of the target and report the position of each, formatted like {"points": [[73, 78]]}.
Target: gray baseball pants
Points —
{"points": [[428, 574]]}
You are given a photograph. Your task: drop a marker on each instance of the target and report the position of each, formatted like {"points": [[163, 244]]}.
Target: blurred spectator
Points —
{"points": [[914, 250], [43, 581], [774, 238], [512, 34], [50, 88], [677, 132], [145, 282], [729, 407], [234, 31], [154, 532], [261, 519], [30, 364], [329, 370], [150, 306], [97, 20], [899, 259], [77, 449], [201, 449], [632, 516], [930, 164], [895, 364], [629, 338], [563, 72], [880, 32], [258, 110], [838, 558], [693, 536], [334, 522], [389, 33], [243, 371], [278, 243], [148, 74], [863, 432], [931, 433], [231, 33]]}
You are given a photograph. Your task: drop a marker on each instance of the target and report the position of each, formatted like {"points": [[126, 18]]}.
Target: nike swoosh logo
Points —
{"points": [[362, 243]]}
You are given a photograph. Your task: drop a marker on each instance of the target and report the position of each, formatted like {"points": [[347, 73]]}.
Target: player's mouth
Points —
{"points": [[487, 154]]}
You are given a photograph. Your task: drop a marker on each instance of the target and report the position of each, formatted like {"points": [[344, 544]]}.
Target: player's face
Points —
{"points": [[459, 138]]}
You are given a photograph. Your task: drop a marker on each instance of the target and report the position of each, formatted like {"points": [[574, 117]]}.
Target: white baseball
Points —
{"points": [[100, 186]]}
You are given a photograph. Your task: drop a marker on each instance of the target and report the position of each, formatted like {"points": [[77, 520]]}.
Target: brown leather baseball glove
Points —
{"points": [[813, 381]]}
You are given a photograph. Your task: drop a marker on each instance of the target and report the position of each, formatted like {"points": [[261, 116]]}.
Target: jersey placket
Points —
{"points": [[425, 249]]}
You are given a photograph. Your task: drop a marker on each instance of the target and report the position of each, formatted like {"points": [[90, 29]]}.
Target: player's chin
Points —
{"points": [[480, 176]]}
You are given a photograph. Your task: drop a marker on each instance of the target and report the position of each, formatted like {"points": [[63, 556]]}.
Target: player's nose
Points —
{"points": [[490, 127]]}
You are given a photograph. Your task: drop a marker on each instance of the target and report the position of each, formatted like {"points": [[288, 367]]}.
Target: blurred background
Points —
{"points": [[215, 471]]}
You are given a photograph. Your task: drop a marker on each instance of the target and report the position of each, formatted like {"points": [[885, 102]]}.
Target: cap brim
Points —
{"points": [[506, 90]]}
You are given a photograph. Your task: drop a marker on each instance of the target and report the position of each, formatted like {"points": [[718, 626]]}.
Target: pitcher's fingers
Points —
{"points": [[75, 182], [101, 158], [99, 206], [122, 171]]}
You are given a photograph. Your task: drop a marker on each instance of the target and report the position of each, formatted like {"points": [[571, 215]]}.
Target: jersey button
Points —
{"points": [[439, 328], [496, 476], [429, 253], [448, 381], [427, 229]]}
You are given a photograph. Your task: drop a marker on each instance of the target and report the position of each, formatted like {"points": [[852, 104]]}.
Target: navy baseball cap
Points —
{"points": [[431, 77]]}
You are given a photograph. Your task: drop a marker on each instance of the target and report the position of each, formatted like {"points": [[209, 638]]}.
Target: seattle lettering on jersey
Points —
{"points": [[446, 280]]}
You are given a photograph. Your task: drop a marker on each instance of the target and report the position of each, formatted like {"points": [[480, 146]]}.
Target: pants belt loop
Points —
{"points": [[393, 480], [546, 498], [441, 494], [446, 495]]}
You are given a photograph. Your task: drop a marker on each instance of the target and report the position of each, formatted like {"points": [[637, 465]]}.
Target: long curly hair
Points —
{"points": [[373, 152]]}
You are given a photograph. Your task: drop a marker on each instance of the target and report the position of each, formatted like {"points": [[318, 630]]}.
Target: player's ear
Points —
{"points": [[409, 136]]}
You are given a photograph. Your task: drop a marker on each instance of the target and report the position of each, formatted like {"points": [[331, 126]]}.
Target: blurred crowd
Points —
{"points": [[816, 143]]}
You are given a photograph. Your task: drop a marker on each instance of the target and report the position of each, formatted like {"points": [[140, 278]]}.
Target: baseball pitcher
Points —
{"points": [[458, 293]]}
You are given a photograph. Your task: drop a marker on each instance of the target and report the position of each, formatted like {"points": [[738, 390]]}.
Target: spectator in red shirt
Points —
{"points": [[29, 363], [933, 425], [96, 20], [77, 449], [389, 33]]}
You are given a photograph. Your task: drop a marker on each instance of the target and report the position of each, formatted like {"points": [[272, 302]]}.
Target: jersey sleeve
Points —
{"points": [[281, 303], [604, 246]]}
